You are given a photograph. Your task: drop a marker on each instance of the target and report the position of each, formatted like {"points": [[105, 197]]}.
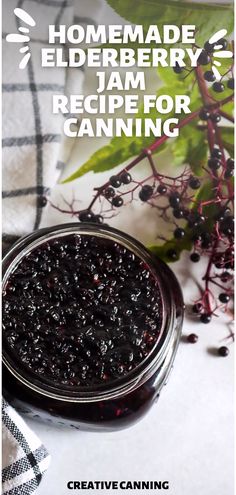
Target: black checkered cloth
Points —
{"points": [[32, 145], [24, 458]]}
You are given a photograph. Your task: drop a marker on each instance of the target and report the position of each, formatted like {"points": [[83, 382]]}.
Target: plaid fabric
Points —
{"points": [[31, 133], [31, 167], [24, 459]]}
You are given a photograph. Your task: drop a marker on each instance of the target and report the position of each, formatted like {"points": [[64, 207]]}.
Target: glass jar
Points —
{"points": [[110, 406]]}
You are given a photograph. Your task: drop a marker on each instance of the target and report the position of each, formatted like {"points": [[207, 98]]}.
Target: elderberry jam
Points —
{"points": [[91, 323]]}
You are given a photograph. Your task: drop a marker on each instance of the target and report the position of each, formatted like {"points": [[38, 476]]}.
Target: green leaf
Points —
{"points": [[227, 134], [178, 245], [191, 148], [207, 18], [123, 148]]}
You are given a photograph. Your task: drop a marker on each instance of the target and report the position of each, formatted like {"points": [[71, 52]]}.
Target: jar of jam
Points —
{"points": [[91, 326]]}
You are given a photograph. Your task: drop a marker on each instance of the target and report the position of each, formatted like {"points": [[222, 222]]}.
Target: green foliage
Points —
{"points": [[191, 148], [123, 148], [207, 18], [227, 134]]}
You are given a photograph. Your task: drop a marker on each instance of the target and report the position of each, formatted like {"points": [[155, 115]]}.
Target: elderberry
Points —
{"points": [[206, 240], [178, 213], [42, 201], [215, 117], [98, 219], [209, 76], [225, 277], [117, 201], [109, 192], [192, 338], [214, 163], [161, 189], [209, 47], [216, 153], [228, 174], [204, 58], [227, 226], [230, 164], [224, 298], [172, 254], [86, 216], [205, 318], [179, 233], [196, 219], [195, 257], [115, 181], [204, 114], [218, 87], [194, 182], [174, 199], [177, 69], [125, 178], [230, 84], [223, 43], [146, 192], [223, 351]]}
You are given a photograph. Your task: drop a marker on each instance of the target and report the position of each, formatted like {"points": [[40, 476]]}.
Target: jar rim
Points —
{"points": [[145, 368]]}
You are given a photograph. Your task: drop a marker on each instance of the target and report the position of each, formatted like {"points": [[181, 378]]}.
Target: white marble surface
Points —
{"points": [[187, 437]]}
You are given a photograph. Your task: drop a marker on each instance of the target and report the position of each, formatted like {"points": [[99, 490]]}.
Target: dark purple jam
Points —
{"points": [[81, 310]]}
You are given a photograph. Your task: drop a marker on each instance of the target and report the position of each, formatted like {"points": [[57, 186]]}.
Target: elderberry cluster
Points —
{"points": [[206, 59]]}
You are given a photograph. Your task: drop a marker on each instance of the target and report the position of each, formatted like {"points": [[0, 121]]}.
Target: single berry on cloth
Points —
{"points": [[80, 310]]}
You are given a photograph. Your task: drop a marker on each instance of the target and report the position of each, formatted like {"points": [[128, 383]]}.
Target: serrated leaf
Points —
{"points": [[208, 18]]}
